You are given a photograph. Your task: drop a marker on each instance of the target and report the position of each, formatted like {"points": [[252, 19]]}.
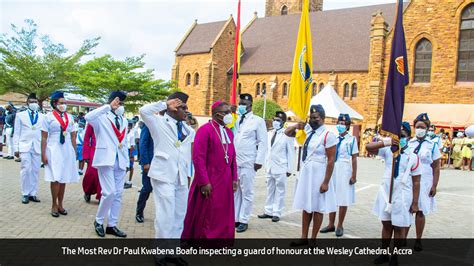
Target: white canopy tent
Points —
{"points": [[333, 104]]}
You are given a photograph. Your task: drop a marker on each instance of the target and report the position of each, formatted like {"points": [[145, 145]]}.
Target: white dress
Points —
{"points": [[428, 153], [402, 188], [61, 165], [313, 171], [345, 192]]}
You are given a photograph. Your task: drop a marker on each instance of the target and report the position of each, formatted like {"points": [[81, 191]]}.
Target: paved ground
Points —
{"points": [[454, 218]]}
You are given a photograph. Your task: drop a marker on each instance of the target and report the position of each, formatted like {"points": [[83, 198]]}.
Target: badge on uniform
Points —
{"points": [[177, 144], [120, 145], [64, 133], [33, 127]]}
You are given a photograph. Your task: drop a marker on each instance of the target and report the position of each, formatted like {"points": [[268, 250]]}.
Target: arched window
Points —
{"points": [[264, 88], [257, 89], [196, 79], [285, 89], [346, 90], [321, 87], [423, 57], [188, 79], [314, 88], [354, 90], [284, 10], [466, 46], [239, 89]]}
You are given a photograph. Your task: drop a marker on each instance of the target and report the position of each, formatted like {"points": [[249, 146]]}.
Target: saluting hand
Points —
{"points": [[173, 104], [206, 190], [115, 103], [300, 125]]}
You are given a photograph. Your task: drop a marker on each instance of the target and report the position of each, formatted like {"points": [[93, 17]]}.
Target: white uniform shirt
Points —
{"points": [[281, 155], [428, 153], [347, 148], [321, 140], [250, 134]]}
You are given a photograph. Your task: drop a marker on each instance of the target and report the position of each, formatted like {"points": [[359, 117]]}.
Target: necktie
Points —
{"points": [[274, 137], [338, 145], [241, 120], [62, 139], [417, 149], [306, 144], [117, 122], [180, 130]]}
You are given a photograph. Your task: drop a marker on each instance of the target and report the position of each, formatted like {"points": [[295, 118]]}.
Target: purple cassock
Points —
{"points": [[212, 217]]}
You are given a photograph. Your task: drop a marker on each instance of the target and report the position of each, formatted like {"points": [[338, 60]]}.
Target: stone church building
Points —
{"points": [[351, 50]]}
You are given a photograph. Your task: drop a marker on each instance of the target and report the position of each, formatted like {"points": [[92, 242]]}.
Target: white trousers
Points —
{"points": [[243, 197], [111, 181], [171, 202], [30, 167], [276, 187], [9, 141]]}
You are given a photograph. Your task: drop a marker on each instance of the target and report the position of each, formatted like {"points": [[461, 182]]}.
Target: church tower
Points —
{"points": [[285, 7]]}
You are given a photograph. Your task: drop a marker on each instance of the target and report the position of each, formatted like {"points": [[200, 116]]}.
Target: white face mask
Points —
{"points": [[62, 107], [420, 132], [119, 111], [276, 124], [33, 107], [228, 119]]}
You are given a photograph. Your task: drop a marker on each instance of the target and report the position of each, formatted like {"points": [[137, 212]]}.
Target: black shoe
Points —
{"points": [[55, 214], [418, 247], [18, 160], [87, 197], [242, 228], [327, 229], [127, 185], [237, 224], [393, 260], [34, 199], [299, 243], [381, 259], [265, 216], [115, 231], [339, 232], [62, 212], [25, 200], [139, 218], [99, 229], [275, 219]]}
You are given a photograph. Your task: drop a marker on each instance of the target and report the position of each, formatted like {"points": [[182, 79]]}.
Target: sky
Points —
{"points": [[133, 27]]}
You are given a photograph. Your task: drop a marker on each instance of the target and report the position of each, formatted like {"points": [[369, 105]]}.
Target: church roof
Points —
{"points": [[201, 38], [341, 40]]}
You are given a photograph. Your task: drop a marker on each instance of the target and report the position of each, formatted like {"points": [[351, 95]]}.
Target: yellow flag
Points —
{"points": [[301, 75]]}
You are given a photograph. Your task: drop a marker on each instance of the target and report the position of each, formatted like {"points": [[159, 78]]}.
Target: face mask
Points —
{"points": [[62, 107], [228, 119], [431, 133], [81, 129], [420, 132], [33, 107], [341, 128], [277, 124], [119, 111], [403, 142], [242, 109], [314, 125]]}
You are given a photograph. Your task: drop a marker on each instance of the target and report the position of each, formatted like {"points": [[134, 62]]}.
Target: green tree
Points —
{"points": [[272, 108], [23, 69], [99, 76]]}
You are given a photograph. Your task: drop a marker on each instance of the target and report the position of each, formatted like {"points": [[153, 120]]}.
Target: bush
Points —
{"points": [[272, 108]]}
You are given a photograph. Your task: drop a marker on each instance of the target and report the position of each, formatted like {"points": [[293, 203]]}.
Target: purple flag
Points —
{"points": [[396, 82]]}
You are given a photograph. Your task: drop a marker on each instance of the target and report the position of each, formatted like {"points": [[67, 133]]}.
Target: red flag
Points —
{"points": [[233, 92]]}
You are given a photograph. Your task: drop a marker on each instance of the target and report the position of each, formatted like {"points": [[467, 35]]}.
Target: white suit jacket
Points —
{"points": [[25, 136], [250, 134], [172, 160], [281, 156], [107, 145]]}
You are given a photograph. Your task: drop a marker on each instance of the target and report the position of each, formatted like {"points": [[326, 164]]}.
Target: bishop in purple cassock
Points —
{"points": [[210, 212]]}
